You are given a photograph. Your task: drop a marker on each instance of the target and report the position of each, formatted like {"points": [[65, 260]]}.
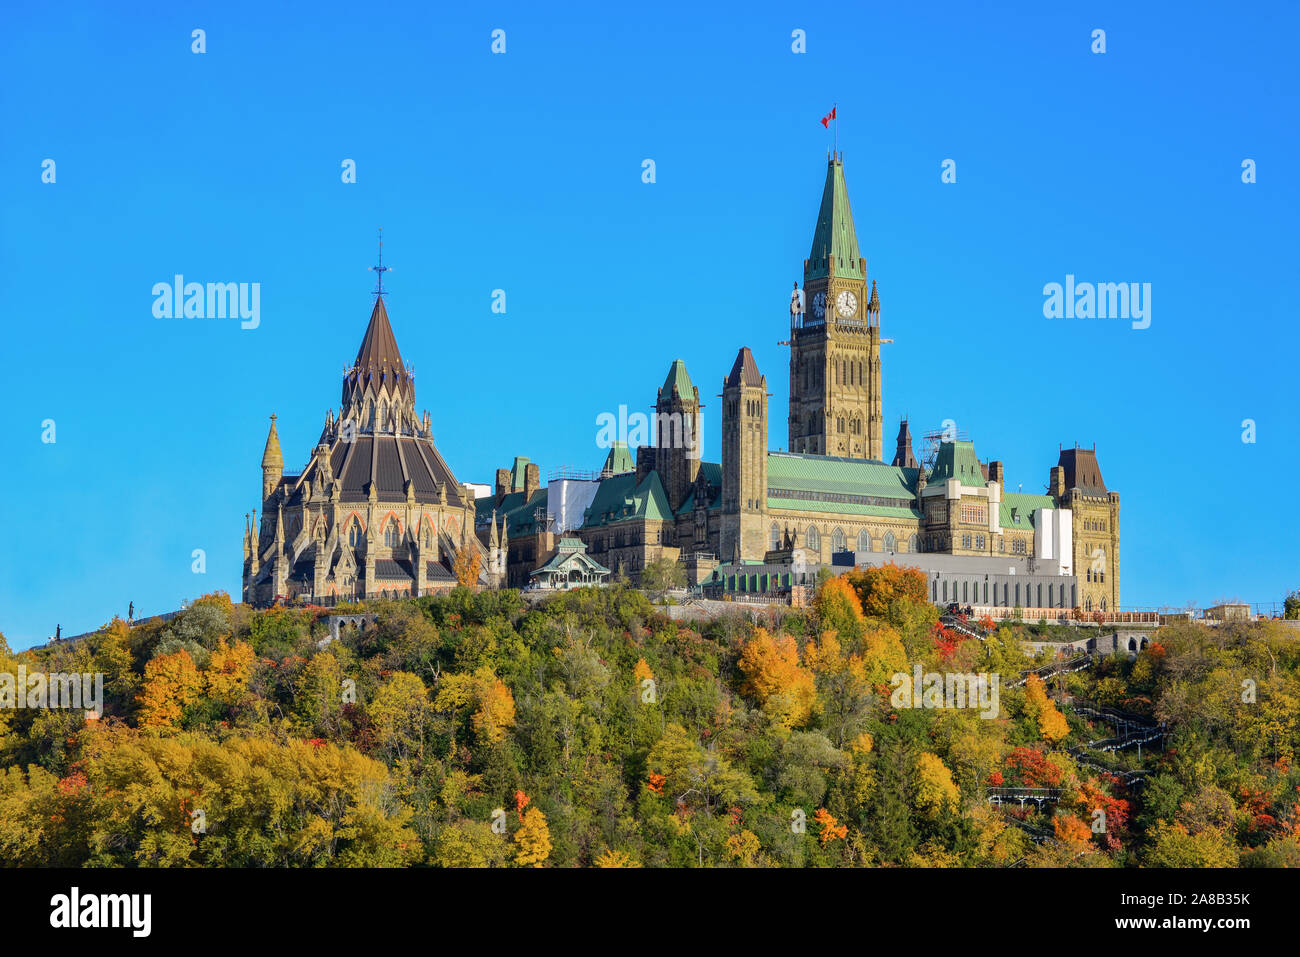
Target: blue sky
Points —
{"points": [[522, 172]]}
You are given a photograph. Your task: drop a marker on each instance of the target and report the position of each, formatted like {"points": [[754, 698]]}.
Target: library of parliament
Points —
{"points": [[378, 511]]}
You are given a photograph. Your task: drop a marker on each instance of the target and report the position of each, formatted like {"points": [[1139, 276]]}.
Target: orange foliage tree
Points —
{"points": [[878, 588], [774, 676], [171, 683]]}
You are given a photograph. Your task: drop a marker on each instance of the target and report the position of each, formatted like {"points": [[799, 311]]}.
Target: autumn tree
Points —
{"points": [[171, 684], [773, 676], [533, 840], [467, 565], [1051, 723]]}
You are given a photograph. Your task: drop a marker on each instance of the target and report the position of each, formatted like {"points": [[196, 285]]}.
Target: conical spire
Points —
{"points": [[835, 241], [379, 350], [745, 370], [679, 379], [873, 304], [271, 457]]}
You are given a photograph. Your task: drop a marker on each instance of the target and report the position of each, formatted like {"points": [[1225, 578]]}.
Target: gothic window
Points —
{"points": [[814, 538], [390, 534], [838, 541], [890, 543], [428, 535], [776, 536], [864, 541], [913, 544], [354, 533]]}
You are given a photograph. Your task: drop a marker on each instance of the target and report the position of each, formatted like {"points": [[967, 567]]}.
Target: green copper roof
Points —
{"points": [[618, 460], [835, 238], [1023, 505], [678, 376], [520, 515], [620, 498], [712, 473], [957, 460], [837, 476]]}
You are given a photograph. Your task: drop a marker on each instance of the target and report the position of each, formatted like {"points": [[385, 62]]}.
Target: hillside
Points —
{"points": [[471, 730]]}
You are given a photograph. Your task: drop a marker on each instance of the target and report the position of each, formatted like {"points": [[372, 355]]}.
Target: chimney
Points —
{"points": [[532, 480], [1056, 482], [503, 484], [995, 473]]}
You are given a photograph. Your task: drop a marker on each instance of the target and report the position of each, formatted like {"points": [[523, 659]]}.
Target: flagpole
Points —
{"points": [[835, 135]]}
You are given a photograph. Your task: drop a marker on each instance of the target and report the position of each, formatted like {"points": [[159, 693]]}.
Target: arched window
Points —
{"points": [[838, 541], [865, 544], [391, 536], [889, 542], [428, 535], [1087, 603], [354, 533], [913, 544], [775, 536], [814, 538]]}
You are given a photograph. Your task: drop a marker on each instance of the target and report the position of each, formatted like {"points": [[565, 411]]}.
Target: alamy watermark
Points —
{"points": [[61, 690], [1102, 300], [665, 430], [215, 300], [941, 690]]}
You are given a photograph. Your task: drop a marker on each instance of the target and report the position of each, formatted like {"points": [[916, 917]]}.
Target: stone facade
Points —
{"points": [[376, 512]]}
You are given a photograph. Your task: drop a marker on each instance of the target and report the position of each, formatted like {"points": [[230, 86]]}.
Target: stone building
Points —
{"points": [[377, 511], [832, 493]]}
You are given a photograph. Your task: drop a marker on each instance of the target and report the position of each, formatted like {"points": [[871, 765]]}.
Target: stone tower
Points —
{"points": [[744, 460], [677, 434], [835, 395]]}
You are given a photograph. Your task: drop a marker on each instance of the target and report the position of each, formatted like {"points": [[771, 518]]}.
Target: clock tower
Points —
{"points": [[835, 406]]}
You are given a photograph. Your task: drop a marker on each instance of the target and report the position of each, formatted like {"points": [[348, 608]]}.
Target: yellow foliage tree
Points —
{"points": [[229, 669], [533, 840], [743, 848], [171, 684], [773, 675], [613, 858], [467, 565], [496, 706], [936, 792], [1051, 723]]}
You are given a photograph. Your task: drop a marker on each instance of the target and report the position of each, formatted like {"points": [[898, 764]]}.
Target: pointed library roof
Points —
{"points": [[745, 371], [835, 239], [379, 345], [378, 360], [271, 457]]}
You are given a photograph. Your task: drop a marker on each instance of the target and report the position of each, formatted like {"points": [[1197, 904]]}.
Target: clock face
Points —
{"points": [[846, 304], [819, 305]]}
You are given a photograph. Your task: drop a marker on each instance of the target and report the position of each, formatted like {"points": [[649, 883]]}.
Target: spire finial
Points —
{"points": [[381, 268]]}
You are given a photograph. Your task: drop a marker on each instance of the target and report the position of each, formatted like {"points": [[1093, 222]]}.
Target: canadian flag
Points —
{"points": [[826, 120]]}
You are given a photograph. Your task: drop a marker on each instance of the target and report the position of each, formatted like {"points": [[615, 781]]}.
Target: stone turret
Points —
{"points": [[272, 462]]}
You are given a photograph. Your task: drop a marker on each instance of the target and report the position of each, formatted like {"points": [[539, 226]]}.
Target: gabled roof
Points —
{"points": [[711, 473], [620, 498], [680, 379], [957, 460], [618, 460], [835, 238], [520, 513], [1023, 505], [1082, 470], [745, 370]]}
